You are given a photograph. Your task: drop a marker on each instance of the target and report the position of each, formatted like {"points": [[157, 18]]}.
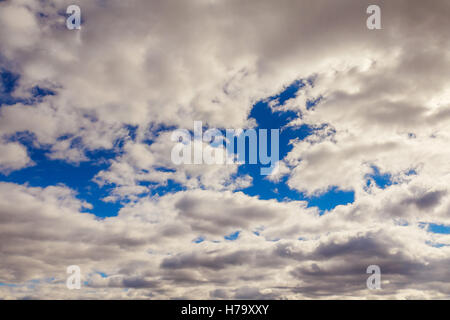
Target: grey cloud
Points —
{"points": [[429, 200], [153, 63]]}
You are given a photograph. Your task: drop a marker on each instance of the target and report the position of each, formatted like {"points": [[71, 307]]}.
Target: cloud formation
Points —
{"points": [[382, 103]]}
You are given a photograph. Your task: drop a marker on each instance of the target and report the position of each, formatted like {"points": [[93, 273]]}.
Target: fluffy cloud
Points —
{"points": [[382, 102], [148, 248], [144, 163], [13, 156]]}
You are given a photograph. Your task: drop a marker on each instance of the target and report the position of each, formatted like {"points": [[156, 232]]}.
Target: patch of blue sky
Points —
{"points": [[435, 228], [47, 172], [331, 199], [310, 104], [102, 274], [8, 83], [436, 245], [198, 240], [382, 180], [269, 118], [439, 228], [233, 236]]}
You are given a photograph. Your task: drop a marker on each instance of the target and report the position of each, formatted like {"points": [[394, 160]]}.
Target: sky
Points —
{"points": [[87, 178]]}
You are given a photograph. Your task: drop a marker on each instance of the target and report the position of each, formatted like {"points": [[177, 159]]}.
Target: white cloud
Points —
{"points": [[148, 248], [13, 156], [385, 103]]}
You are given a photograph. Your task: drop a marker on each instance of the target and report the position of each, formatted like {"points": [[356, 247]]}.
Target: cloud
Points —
{"points": [[13, 156], [148, 248], [382, 100]]}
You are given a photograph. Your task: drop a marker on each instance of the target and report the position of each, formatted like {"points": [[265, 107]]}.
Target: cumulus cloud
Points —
{"points": [[149, 249], [381, 100], [13, 156]]}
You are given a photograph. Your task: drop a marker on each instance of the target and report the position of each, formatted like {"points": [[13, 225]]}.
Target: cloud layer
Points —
{"points": [[382, 104]]}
